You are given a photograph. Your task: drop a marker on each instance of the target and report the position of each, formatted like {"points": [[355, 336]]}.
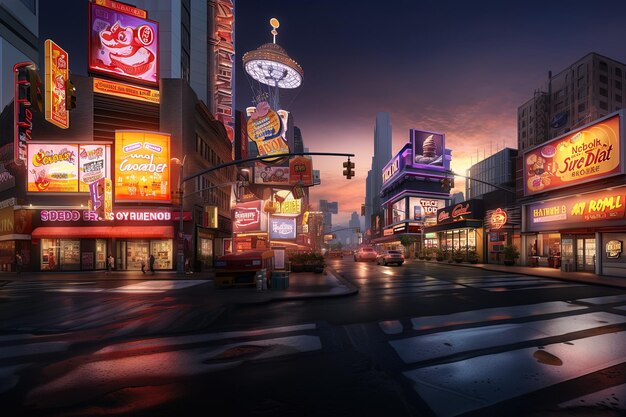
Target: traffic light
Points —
{"points": [[362, 209], [35, 95], [70, 98], [348, 171], [451, 182], [445, 183]]}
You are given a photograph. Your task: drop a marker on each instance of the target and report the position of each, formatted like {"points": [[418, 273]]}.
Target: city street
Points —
{"points": [[423, 339]]}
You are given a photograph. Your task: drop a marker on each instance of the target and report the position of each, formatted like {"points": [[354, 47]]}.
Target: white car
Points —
{"points": [[365, 254]]}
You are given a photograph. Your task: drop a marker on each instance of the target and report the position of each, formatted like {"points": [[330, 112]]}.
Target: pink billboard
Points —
{"points": [[122, 45]]}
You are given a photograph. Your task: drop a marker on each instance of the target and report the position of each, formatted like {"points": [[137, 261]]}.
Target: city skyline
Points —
{"points": [[484, 60]]}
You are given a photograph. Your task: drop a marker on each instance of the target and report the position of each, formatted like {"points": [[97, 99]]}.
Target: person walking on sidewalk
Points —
{"points": [[143, 265], [18, 263], [110, 263], [152, 264]]}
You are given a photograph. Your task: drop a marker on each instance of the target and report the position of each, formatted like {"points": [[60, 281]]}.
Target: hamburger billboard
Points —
{"points": [[587, 154], [122, 45]]}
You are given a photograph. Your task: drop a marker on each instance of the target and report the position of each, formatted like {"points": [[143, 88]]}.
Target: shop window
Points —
{"points": [[162, 251], [101, 249], [50, 254]]}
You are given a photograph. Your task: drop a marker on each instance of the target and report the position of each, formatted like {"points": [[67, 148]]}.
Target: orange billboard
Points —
{"points": [[587, 154], [142, 166], [57, 64], [123, 90]]}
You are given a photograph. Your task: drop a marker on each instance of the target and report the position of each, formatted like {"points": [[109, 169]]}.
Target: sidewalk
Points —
{"points": [[584, 277]]}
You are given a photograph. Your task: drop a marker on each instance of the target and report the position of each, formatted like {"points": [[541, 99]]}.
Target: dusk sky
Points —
{"points": [[460, 68]]}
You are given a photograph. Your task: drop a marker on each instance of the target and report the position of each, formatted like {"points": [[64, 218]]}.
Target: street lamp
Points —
{"points": [[180, 256]]}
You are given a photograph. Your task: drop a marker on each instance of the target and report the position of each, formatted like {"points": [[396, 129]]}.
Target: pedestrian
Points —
{"points": [[152, 263], [18, 263], [188, 266], [143, 265], [110, 263]]}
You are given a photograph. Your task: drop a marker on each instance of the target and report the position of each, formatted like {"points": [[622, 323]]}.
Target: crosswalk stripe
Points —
{"points": [[459, 387], [491, 314], [609, 398], [605, 300], [542, 287], [446, 343]]}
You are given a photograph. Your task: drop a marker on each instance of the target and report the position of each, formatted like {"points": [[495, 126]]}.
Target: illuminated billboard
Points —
{"points": [[425, 209], [428, 148], [301, 170], [270, 175], [602, 208], [224, 52], [584, 155], [122, 45], [66, 168], [282, 228], [142, 166], [247, 217], [57, 67], [123, 90], [265, 128]]}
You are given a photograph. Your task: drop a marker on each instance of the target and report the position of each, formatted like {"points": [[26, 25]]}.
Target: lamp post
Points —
{"points": [[180, 255]]}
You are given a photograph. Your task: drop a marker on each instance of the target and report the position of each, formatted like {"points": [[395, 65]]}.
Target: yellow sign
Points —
{"points": [[57, 64], [588, 154], [142, 166], [290, 207], [123, 90], [211, 216]]}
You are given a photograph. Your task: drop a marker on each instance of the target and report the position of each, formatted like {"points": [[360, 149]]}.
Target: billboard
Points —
{"points": [[282, 228], [584, 155], [428, 148], [224, 53], [247, 217], [603, 208], [271, 175], [66, 168], [301, 170], [57, 67], [142, 166], [122, 45], [466, 210], [425, 209], [123, 90]]}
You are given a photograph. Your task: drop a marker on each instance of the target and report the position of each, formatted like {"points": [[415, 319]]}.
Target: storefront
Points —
{"points": [[576, 233], [75, 240], [581, 224], [502, 227], [459, 229]]}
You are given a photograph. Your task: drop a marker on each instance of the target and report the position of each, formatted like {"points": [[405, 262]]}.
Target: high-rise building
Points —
{"points": [[586, 90], [19, 29], [498, 169], [382, 155], [298, 144]]}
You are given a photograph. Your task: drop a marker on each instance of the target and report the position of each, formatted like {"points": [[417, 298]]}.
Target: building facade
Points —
{"points": [[382, 155], [588, 89], [498, 169]]}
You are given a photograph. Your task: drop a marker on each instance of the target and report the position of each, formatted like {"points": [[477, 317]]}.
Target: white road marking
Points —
{"points": [[610, 398], [436, 345], [459, 387], [391, 326], [605, 300], [199, 338], [492, 314], [545, 287]]}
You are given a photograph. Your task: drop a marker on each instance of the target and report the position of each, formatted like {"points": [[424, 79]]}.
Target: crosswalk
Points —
{"points": [[463, 362], [61, 286]]}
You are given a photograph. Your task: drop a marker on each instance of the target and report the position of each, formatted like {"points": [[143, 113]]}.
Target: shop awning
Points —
{"points": [[131, 232]]}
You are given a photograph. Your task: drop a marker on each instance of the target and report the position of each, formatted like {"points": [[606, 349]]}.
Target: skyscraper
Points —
{"points": [[382, 155]]}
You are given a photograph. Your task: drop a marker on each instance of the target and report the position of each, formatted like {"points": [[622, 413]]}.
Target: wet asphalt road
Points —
{"points": [[417, 340]]}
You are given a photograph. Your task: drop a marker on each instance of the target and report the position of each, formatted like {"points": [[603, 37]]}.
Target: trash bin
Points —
{"points": [[280, 280], [260, 278]]}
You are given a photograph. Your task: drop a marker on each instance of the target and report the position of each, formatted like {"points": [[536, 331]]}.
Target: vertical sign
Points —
{"points": [[22, 114], [57, 65], [225, 61]]}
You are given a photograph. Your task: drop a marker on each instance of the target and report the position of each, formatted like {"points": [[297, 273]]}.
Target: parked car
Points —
{"points": [[335, 254], [365, 254], [390, 257]]}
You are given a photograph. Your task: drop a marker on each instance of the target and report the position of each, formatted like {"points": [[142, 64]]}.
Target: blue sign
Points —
{"points": [[282, 228]]}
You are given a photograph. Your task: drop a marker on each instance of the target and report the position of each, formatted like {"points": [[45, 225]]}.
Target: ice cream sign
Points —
{"points": [[600, 207], [585, 155], [123, 45]]}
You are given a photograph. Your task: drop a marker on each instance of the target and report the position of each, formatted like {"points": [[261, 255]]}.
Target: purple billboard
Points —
{"points": [[428, 148], [282, 228]]}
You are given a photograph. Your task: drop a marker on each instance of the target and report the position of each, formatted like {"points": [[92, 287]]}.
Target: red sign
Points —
{"points": [[247, 217], [471, 209], [584, 155], [301, 169], [498, 219], [123, 45], [22, 114], [224, 52]]}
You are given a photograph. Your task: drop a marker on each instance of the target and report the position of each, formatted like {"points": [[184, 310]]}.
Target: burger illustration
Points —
{"points": [[124, 49]]}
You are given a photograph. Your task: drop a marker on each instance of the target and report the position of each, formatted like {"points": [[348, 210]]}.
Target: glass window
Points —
{"points": [[162, 251], [604, 92], [603, 79], [205, 252], [136, 251], [618, 98], [618, 71], [604, 105], [603, 66], [581, 107], [398, 211], [101, 248], [618, 85]]}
